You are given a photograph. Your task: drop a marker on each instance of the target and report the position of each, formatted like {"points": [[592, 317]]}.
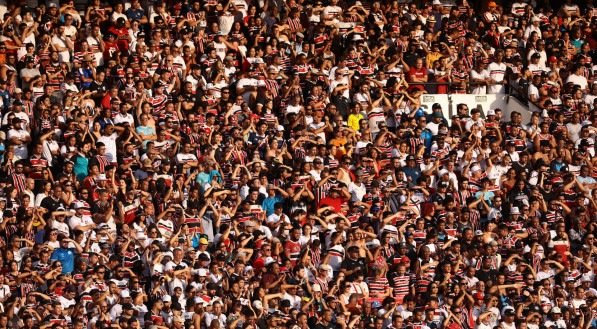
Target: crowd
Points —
{"points": [[269, 164]]}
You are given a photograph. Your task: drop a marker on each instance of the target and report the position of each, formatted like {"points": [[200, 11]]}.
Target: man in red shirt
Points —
{"points": [[334, 200], [122, 35], [418, 75]]}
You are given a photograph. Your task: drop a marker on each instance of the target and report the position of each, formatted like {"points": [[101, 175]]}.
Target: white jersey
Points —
{"points": [[497, 72]]}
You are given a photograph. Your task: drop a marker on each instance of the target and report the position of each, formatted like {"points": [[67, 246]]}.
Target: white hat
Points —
{"points": [[374, 243], [202, 272], [280, 128], [72, 88], [514, 211], [325, 267], [490, 112], [257, 305], [437, 2], [316, 287], [201, 301], [18, 91], [536, 19], [357, 37], [102, 177], [167, 298], [269, 260], [125, 294], [475, 168], [556, 310]]}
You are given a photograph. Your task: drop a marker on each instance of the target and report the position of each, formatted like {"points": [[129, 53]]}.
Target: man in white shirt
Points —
{"points": [[479, 78], [356, 188], [109, 137], [577, 79], [62, 44], [497, 73], [331, 12], [186, 158], [19, 137], [123, 117], [17, 111]]}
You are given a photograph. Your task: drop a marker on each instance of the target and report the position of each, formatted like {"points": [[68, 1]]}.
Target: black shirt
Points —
{"points": [[352, 264]]}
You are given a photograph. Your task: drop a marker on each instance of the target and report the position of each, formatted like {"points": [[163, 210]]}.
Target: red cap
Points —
{"points": [[259, 263], [553, 59]]}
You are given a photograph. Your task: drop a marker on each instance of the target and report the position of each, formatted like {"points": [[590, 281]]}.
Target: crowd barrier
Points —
{"points": [[505, 102]]}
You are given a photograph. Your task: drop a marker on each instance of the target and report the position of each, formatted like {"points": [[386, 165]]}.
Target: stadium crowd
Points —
{"points": [[269, 164]]}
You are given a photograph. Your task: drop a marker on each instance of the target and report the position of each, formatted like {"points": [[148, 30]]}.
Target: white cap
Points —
{"points": [[202, 272], [437, 2], [374, 243], [167, 298], [490, 112], [18, 91], [357, 37], [325, 267], [269, 260], [316, 287], [556, 310], [280, 128], [125, 294], [514, 211], [201, 301], [257, 305], [102, 177]]}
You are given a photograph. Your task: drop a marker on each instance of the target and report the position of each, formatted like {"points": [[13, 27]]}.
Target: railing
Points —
{"points": [[522, 95], [468, 86]]}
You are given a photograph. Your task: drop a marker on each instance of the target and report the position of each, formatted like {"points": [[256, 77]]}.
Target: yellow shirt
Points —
{"points": [[432, 57], [353, 121]]}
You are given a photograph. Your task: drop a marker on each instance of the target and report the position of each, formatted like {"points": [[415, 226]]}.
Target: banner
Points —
{"points": [[427, 101], [490, 101]]}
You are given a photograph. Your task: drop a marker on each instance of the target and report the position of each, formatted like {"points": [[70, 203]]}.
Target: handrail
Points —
{"points": [[522, 95]]}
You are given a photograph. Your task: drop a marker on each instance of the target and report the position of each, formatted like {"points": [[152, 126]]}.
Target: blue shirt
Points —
{"points": [[147, 131], [80, 168], [202, 179], [488, 197], [269, 203], [66, 256]]}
